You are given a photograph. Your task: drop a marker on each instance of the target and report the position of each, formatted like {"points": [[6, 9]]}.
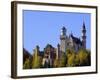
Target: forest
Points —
{"points": [[68, 59]]}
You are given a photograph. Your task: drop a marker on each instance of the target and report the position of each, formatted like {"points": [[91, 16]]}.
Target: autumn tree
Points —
{"points": [[62, 60], [84, 57], [27, 64], [36, 61], [70, 54], [80, 58], [56, 63]]}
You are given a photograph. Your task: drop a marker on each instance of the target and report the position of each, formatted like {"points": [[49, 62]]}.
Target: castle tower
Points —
{"points": [[84, 36], [63, 40]]}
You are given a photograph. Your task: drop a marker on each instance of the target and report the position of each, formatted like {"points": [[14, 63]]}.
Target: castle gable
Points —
{"points": [[76, 40]]}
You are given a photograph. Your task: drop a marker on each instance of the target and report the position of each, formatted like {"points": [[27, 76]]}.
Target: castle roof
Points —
{"points": [[48, 46], [63, 28], [76, 40]]}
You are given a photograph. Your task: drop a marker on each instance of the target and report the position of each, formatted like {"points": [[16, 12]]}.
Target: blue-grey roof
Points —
{"points": [[76, 40]]}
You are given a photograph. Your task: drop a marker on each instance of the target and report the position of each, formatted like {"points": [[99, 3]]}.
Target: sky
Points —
{"points": [[44, 27]]}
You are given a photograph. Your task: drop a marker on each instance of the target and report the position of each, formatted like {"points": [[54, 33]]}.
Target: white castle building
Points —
{"points": [[71, 41]]}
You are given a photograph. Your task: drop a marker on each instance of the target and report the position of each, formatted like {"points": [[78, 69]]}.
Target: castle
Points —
{"points": [[66, 42], [72, 42]]}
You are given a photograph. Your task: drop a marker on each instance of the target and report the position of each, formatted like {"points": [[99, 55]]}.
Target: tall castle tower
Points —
{"points": [[84, 36], [63, 40]]}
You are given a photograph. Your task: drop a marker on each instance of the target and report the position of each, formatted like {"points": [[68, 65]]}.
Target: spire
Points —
{"points": [[84, 26], [84, 36]]}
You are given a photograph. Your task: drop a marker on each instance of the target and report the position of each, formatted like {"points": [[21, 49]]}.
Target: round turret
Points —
{"points": [[63, 31]]}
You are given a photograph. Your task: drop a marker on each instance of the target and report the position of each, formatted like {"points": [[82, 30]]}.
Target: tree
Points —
{"points": [[81, 58], [89, 57], [56, 63], [77, 60], [27, 64], [84, 57], [62, 60], [37, 61], [71, 59]]}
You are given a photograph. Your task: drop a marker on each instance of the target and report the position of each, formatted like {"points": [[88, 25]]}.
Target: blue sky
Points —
{"points": [[44, 27]]}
